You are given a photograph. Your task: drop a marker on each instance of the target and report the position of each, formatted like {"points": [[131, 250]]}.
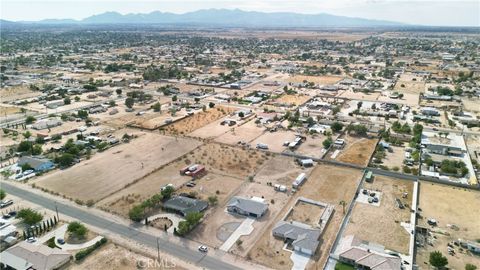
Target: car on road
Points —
{"points": [[6, 203], [191, 184], [202, 248], [60, 241], [12, 213]]}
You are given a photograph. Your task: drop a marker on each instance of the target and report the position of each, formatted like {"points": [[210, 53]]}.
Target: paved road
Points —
{"points": [[180, 251]]}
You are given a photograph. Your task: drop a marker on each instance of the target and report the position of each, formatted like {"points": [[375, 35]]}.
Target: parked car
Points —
{"points": [[191, 184], [6, 216], [202, 248], [31, 240], [60, 241]]}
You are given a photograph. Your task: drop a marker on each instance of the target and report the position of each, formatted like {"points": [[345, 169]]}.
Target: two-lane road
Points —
{"points": [[177, 250]]}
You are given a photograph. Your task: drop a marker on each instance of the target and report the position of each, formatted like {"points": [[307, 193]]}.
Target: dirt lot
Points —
{"points": [[4, 110], [451, 206], [94, 179], [279, 170], [275, 140], [394, 158], [357, 151], [381, 224], [17, 92], [227, 167], [471, 104], [322, 80], [113, 256], [221, 186], [409, 85], [198, 120], [291, 100], [330, 184], [306, 213], [212, 130], [313, 146], [246, 132]]}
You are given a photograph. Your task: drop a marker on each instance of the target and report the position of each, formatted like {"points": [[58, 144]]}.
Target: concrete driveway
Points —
{"points": [[60, 233], [299, 260], [245, 228]]}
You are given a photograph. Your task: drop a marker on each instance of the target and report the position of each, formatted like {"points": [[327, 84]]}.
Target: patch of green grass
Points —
{"points": [[51, 243], [343, 266]]}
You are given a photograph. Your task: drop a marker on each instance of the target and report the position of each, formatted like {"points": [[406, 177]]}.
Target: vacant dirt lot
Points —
{"points": [[226, 168], [381, 224], [275, 140], [409, 83], [395, 158], [221, 186], [313, 146], [17, 92], [4, 110], [212, 130], [357, 151], [279, 170], [113, 169], [451, 206], [330, 184], [198, 120], [291, 100], [322, 80], [246, 132], [306, 213]]}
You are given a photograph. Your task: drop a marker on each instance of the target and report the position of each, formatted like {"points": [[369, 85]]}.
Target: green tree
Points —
{"points": [[137, 213], [65, 160], [82, 114], [30, 119], [156, 107], [470, 266], [129, 102], [211, 105], [337, 126], [3, 194], [437, 259], [213, 200], [174, 98], [327, 143], [29, 216], [77, 229], [67, 101]]}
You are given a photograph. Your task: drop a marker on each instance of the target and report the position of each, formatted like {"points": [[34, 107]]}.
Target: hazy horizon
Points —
{"points": [[416, 12]]}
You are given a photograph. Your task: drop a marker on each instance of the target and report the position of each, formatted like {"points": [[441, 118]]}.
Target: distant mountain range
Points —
{"points": [[224, 17]]}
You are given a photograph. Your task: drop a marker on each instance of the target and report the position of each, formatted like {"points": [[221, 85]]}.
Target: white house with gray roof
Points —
{"points": [[301, 236], [254, 207]]}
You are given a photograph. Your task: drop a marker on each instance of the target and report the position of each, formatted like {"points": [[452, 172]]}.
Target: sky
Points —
{"points": [[418, 12]]}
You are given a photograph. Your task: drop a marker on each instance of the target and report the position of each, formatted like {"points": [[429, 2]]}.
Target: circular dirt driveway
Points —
{"points": [[224, 232]]}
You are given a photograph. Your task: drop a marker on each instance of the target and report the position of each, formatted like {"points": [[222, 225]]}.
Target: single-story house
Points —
{"points": [[38, 164], [46, 124], [254, 207], [25, 256], [365, 255], [301, 236], [184, 205]]}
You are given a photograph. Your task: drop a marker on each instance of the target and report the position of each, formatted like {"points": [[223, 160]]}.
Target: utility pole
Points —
{"points": [[56, 210], [158, 251]]}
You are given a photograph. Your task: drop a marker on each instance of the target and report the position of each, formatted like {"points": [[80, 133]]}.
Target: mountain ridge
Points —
{"points": [[225, 17]]}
